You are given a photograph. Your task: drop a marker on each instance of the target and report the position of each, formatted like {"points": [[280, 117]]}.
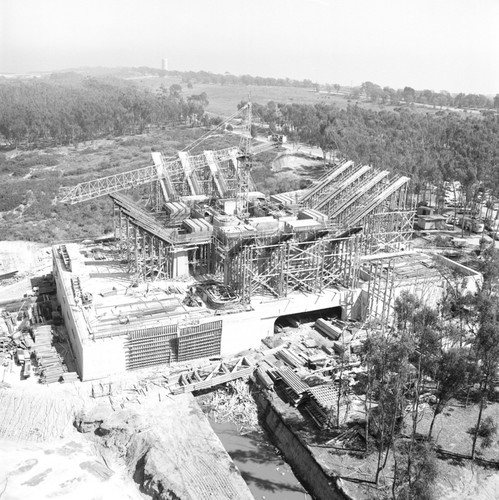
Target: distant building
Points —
{"points": [[164, 64]]}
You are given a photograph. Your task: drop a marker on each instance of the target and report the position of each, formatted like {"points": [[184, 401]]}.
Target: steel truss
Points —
{"points": [[326, 183], [185, 176]]}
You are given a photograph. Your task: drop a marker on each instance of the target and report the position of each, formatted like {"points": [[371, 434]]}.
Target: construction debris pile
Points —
{"points": [[50, 364], [234, 403], [206, 377], [316, 371]]}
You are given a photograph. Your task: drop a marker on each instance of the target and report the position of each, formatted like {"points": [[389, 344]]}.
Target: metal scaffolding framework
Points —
{"points": [[279, 269]]}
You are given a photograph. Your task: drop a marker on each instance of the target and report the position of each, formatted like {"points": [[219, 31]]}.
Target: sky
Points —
{"points": [[448, 45]]}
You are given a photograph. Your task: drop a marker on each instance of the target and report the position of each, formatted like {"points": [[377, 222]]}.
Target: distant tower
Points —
{"points": [[164, 64]]}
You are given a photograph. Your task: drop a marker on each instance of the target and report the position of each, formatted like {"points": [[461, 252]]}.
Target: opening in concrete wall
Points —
{"points": [[295, 320]]}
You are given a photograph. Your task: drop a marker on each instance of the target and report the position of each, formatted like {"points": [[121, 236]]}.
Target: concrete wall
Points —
{"points": [[471, 280], [100, 358], [298, 455], [65, 299], [103, 357], [180, 263], [94, 358], [246, 330]]}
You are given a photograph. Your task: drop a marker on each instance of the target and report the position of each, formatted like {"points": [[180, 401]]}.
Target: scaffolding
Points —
{"points": [[151, 249], [282, 268]]}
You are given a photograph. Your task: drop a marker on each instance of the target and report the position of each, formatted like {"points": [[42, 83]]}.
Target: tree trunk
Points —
{"points": [[435, 413], [477, 428]]}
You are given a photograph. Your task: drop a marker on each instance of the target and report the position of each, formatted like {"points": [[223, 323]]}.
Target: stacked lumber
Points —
{"points": [[50, 366], [70, 377], [313, 355], [263, 378], [321, 404], [290, 357], [292, 384], [328, 329]]}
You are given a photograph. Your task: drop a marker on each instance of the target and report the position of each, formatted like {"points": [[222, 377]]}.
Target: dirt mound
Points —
{"points": [[168, 447], [23, 256]]}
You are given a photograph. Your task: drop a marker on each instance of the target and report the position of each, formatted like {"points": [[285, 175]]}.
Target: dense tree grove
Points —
{"points": [[430, 148], [228, 79], [70, 110]]}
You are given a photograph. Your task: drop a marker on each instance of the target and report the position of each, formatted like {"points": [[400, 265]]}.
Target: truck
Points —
{"points": [[20, 355], [27, 368]]}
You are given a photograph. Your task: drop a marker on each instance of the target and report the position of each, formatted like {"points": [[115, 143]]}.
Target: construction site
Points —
{"points": [[202, 268], [207, 265]]}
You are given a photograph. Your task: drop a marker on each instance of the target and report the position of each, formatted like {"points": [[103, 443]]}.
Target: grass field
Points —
{"points": [[225, 98]]}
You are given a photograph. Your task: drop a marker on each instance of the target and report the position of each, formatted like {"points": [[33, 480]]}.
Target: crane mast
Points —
{"points": [[245, 164]]}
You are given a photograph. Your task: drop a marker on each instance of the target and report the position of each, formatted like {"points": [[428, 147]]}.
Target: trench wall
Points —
{"points": [[298, 455]]}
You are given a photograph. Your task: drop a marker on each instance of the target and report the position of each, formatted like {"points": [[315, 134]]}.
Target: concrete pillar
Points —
{"points": [[180, 263]]}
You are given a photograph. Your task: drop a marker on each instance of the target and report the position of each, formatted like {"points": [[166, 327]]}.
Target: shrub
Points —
{"points": [[441, 241], [488, 428]]}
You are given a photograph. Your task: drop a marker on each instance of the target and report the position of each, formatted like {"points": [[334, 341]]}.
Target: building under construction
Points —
{"points": [[206, 265]]}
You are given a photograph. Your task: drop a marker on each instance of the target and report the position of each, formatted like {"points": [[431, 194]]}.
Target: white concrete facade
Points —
{"points": [[104, 355]]}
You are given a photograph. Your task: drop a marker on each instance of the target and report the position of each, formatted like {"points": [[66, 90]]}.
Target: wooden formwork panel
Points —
{"points": [[149, 347], [200, 341]]}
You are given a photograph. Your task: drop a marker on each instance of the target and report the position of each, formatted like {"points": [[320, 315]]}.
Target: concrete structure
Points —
{"points": [[207, 268], [164, 64], [114, 326]]}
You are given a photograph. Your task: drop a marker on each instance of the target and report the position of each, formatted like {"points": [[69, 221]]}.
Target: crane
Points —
{"points": [[223, 173]]}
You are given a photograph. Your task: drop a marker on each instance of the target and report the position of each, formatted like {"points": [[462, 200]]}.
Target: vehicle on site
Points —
{"points": [[279, 138], [27, 369], [20, 355]]}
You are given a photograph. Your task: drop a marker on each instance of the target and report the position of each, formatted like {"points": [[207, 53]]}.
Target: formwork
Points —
{"points": [[171, 343], [150, 248], [200, 341], [152, 346]]}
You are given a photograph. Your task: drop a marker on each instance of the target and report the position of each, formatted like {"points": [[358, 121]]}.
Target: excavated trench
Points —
{"points": [[261, 465], [164, 470]]}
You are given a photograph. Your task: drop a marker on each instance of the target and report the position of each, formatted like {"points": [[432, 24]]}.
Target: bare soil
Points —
{"points": [[139, 442]]}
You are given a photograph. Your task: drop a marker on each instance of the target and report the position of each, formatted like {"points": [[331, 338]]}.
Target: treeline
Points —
{"points": [[430, 148], [368, 91], [386, 95], [206, 77], [65, 111]]}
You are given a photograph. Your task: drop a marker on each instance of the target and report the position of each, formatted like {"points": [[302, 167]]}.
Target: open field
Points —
{"points": [[224, 98]]}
